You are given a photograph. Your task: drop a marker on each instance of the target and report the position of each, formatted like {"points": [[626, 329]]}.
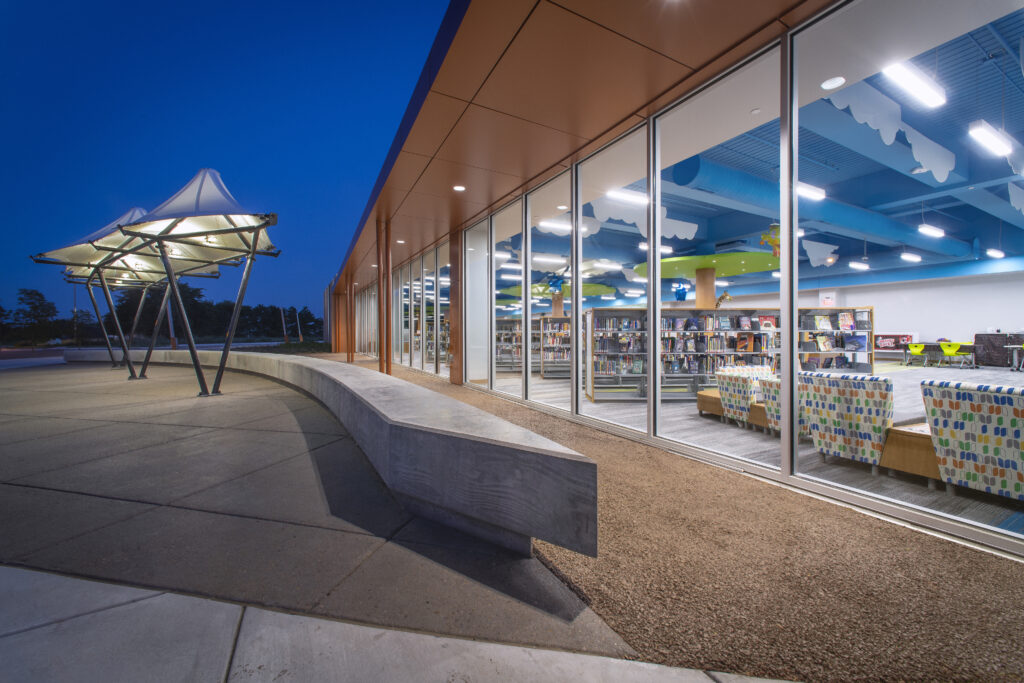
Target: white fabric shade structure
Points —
{"points": [[198, 229]]}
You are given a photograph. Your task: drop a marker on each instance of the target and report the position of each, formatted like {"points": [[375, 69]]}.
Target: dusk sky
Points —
{"points": [[110, 105]]}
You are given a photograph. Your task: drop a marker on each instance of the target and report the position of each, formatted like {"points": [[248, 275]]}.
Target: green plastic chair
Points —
{"points": [[916, 351], [951, 350]]}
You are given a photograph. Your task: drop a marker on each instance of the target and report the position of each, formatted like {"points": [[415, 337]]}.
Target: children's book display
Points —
{"points": [[555, 341]]}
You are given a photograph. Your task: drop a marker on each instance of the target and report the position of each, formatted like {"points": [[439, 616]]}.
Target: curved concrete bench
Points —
{"points": [[442, 459]]}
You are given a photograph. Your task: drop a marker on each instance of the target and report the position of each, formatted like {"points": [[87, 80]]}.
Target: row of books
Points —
{"points": [[617, 366], [557, 327], [558, 354], [555, 340], [613, 324], [843, 320], [621, 344], [810, 342], [706, 365]]}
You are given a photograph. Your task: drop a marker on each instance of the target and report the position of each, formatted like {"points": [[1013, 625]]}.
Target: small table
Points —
{"points": [[1016, 367]]}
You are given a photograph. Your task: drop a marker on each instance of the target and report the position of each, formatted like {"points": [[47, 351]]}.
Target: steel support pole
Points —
{"points": [[103, 328], [172, 282], [117, 326], [156, 331], [138, 316], [789, 295], [236, 311]]}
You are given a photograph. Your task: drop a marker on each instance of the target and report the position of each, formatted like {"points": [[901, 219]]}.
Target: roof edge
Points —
{"points": [[435, 58]]}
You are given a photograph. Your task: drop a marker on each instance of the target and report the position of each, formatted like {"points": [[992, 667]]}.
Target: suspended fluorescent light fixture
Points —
{"points": [[608, 297], [634, 292], [721, 283], [800, 232], [995, 141], [510, 276], [859, 265], [541, 303], [561, 226], [776, 274], [917, 83], [931, 230], [810, 191], [994, 253], [512, 266], [627, 197], [663, 249], [558, 260], [910, 256], [502, 254], [607, 265]]}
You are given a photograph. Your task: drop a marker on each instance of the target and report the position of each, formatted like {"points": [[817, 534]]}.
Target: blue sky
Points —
{"points": [[106, 106]]}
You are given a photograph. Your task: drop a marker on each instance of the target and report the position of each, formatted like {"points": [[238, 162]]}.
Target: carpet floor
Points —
{"points": [[705, 568]]}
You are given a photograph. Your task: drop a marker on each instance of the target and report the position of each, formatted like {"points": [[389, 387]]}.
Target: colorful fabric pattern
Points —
{"points": [[738, 387], [976, 430], [849, 415], [771, 390]]}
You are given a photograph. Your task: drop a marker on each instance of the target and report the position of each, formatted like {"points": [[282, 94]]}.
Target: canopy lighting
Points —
{"points": [[995, 253], [859, 265], [916, 83], [991, 139], [562, 207], [607, 265], [459, 188], [549, 259], [560, 226], [663, 249], [627, 197], [403, 242], [373, 265], [911, 256], [810, 191], [833, 83], [931, 230]]}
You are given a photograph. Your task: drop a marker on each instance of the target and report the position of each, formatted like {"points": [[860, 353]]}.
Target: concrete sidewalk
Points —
{"points": [[54, 628]]}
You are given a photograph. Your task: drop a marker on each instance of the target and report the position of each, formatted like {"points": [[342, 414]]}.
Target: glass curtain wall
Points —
{"points": [[550, 218], [911, 120], [397, 306], [719, 208], [613, 209], [416, 319], [443, 288], [477, 311], [429, 313], [507, 267]]}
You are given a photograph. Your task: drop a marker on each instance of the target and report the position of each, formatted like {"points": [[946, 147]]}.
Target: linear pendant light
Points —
{"points": [[995, 141], [917, 83]]}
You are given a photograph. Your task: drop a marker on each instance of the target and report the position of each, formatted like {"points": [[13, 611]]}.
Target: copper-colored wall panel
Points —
{"points": [[489, 139], [690, 32], [568, 73], [407, 170], [432, 216], [436, 118], [482, 186], [485, 31]]}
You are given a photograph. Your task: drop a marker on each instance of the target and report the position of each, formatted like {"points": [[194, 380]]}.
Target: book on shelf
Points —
{"points": [[822, 322], [680, 323], [863, 320], [824, 342], [767, 322], [745, 342], [855, 342], [724, 323], [744, 322], [846, 320]]}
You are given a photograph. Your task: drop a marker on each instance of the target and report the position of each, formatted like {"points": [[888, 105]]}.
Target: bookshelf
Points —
{"points": [[555, 344], [508, 349], [696, 342]]}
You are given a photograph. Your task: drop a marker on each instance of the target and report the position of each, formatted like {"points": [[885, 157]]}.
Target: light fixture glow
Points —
{"points": [[510, 276], [833, 83], [994, 253], [859, 265], [502, 254], [931, 230], [916, 83], [776, 274], [512, 266], [608, 297], [549, 259], [810, 191], [800, 232], [562, 207], [911, 256], [721, 283], [403, 242], [459, 188], [560, 226], [607, 265], [663, 248], [991, 139], [627, 197], [634, 292]]}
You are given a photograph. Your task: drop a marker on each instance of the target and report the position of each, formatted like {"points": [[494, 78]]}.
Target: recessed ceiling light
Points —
{"points": [[459, 188], [995, 253], [755, 111], [916, 83], [562, 207], [833, 83], [400, 241], [373, 265], [931, 230], [911, 256], [859, 265]]}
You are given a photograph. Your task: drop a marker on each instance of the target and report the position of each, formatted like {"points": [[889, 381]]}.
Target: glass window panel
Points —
{"points": [[912, 222], [613, 198], [507, 227], [549, 209], [476, 331], [429, 313], [719, 154], [397, 306], [444, 269], [407, 304]]}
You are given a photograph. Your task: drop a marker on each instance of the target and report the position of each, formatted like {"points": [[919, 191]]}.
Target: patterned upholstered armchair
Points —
{"points": [[738, 387], [771, 390], [849, 415], [976, 430]]}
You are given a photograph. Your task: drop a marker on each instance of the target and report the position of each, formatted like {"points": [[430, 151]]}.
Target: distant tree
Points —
{"points": [[35, 315], [5, 319]]}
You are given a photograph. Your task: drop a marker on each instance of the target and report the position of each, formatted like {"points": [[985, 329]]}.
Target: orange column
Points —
{"points": [[705, 288]]}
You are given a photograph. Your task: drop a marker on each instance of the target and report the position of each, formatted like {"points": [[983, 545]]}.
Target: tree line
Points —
{"points": [[36, 320]]}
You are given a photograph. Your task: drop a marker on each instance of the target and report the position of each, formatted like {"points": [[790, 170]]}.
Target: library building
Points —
{"points": [[788, 240]]}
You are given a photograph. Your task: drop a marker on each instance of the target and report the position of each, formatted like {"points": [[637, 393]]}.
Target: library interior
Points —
{"points": [[643, 286]]}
